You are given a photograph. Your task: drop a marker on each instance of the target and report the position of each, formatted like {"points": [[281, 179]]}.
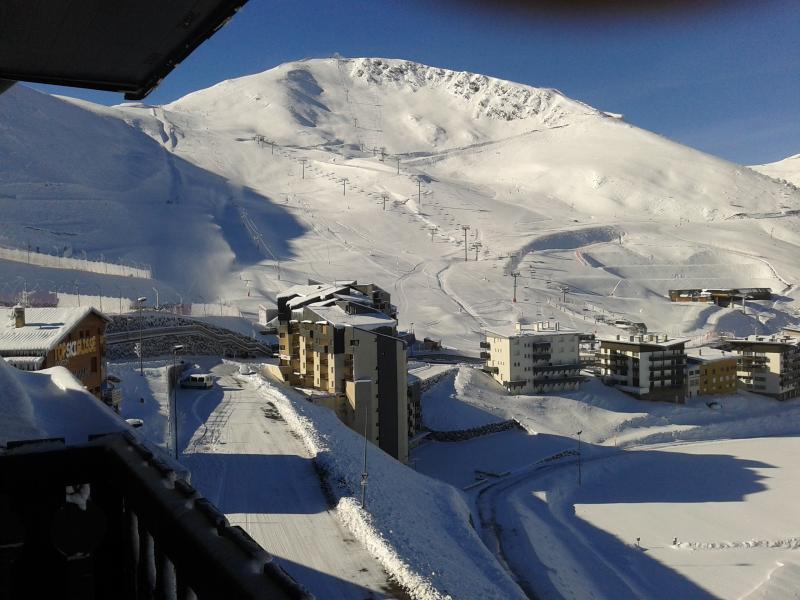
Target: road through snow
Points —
{"points": [[244, 458]]}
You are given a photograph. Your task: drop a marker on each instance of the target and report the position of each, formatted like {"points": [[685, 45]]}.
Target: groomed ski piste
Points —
{"points": [[380, 170]]}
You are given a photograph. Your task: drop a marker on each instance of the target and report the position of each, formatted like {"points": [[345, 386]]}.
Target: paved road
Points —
{"points": [[243, 457]]}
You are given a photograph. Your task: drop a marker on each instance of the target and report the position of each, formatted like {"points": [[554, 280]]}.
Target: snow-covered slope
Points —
{"points": [[787, 169], [371, 168]]}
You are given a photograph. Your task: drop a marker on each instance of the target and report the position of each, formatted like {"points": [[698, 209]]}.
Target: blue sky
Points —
{"points": [[724, 79]]}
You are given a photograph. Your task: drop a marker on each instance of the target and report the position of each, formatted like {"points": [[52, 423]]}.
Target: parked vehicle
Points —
{"points": [[198, 380]]}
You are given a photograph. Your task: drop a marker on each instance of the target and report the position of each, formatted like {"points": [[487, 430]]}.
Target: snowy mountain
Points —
{"points": [[787, 169], [368, 168]]}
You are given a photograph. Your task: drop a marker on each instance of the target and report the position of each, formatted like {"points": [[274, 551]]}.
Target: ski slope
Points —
{"points": [[371, 169]]}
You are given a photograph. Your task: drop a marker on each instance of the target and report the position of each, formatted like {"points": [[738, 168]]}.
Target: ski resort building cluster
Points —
{"points": [[340, 340]]}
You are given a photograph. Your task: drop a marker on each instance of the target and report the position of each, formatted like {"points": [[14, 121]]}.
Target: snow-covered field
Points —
{"points": [[706, 476]]}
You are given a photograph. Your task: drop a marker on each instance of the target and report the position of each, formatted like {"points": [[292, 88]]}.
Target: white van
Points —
{"points": [[199, 380]]}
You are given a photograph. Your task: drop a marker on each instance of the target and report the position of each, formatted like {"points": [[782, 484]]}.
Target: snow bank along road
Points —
{"points": [[244, 458]]}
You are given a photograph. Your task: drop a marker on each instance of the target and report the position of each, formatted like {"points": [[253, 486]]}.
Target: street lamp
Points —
{"points": [[364, 474], [174, 408], [100, 294], [579, 456], [141, 300], [157, 304]]}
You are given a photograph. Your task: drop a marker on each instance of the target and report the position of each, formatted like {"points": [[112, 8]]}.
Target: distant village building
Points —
{"points": [[537, 358], [651, 367], [710, 372], [768, 365], [341, 339], [32, 339], [721, 297]]}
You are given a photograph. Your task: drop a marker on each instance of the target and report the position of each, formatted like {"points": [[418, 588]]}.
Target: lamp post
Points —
{"points": [[119, 289], [100, 294], [157, 304], [141, 300], [579, 456], [364, 472], [174, 408]]}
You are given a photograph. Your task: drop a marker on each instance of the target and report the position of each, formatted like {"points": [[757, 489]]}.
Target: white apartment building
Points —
{"points": [[768, 365], [648, 366], [531, 359]]}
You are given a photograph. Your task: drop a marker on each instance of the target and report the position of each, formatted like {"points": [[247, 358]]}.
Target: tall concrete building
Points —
{"points": [[340, 340], [537, 358], [650, 366]]}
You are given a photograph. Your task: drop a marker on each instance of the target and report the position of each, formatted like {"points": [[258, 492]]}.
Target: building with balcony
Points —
{"points": [[650, 367], [768, 365], [340, 341], [533, 359], [710, 372], [32, 339]]}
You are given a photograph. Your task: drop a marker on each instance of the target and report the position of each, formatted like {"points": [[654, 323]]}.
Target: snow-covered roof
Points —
{"points": [[643, 340], [338, 316], [50, 404], [708, 354], [313, 289], [26, 363], [44, 328], [511, 332]]}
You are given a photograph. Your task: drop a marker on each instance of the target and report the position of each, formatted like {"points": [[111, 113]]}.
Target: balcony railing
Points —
{"points": [[136, 530]]}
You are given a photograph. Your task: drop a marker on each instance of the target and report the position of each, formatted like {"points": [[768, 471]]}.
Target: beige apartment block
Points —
{"points": [[337, 344], [533, 359], [768, 365]]}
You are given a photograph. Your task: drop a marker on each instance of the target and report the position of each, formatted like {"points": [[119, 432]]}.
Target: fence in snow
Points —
{"points": [[42, 259], [114, 305]]}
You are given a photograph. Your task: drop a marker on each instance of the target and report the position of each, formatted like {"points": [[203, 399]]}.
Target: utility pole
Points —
{"points": [[398, 165], [141, 300], [419, 191], [384, 201], [344, 186], [175, 349], [303, 162], [476, 245], [515, 274], [465, 228], [579, 456], [364, 474]]}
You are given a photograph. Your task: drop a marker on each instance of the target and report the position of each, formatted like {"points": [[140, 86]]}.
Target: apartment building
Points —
{"points": [[710, 372], [337, 341], [650, 367], [533, 359], [768, 365]]}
